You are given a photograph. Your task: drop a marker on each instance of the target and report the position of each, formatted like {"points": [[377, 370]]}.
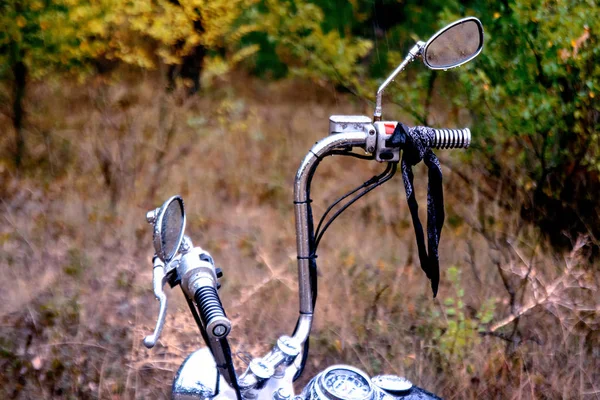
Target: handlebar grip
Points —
{"points": [[452, 138], [211, 311]]}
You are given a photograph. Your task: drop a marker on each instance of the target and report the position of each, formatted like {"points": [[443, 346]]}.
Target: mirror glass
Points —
{"points": [[454, 45], [169, 228]]}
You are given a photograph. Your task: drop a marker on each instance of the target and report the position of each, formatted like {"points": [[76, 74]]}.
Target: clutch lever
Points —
{"points": [[160, 276]]}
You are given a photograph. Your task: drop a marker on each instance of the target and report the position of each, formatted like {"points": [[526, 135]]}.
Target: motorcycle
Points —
{"points": [[209, 373]]}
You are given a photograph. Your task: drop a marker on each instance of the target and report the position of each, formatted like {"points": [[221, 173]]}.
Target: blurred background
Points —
{"points": [[109, 107]]}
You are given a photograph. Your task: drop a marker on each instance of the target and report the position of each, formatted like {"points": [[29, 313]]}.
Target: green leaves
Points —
{"points": [[459, 329], [532, 98], [294, 31]]}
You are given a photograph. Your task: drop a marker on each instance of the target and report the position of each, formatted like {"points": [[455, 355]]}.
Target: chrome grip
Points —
{"points": [[451, 138]]}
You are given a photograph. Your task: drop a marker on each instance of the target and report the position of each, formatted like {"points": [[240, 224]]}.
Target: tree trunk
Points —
{"points": [[190, 68], [20, 76]]}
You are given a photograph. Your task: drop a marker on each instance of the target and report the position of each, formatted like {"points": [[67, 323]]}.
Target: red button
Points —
{"points": [[390, 127]]}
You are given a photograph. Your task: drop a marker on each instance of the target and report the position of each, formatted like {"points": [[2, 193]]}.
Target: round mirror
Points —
{"points": [[454, 45], [169, 227]]}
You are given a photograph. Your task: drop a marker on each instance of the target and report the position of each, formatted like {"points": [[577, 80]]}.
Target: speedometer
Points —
{"points": [[341, 382]]}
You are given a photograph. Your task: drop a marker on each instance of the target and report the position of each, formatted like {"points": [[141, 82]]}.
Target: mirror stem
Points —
{"points": [[412, 54]]}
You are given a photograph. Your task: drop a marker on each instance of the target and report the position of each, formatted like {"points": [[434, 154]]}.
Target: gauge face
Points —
{"points": [[346, 384], [392, 383]]}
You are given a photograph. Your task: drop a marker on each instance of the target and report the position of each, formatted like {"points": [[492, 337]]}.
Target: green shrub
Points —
{"points": [[533, 95], [457, 332]]}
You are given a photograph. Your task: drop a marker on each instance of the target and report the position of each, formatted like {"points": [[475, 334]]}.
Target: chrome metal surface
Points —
{"points": [[445, 30], [414, 52], [160, 219], [159, 278], [353, 123], [186, 245], [196, 270], [151, 215], [260, 369], [302, 245], [282, 394], [383, 153], [288, 346], [273, 371], [301, 188], [305, 171], [290, 349], [452, 138], [303, 328], [340, 382], [347, 123], [392, 384], [320, 149], [198, 379]]}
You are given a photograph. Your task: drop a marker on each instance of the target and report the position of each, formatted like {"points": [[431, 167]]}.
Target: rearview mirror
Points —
{"points": [[454, 45], [169, 226]]}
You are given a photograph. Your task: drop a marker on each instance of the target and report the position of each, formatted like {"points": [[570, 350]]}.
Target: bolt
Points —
{"points": [[372, 132], [370, 149], [151, 216], [219, 330], [282, 394]]}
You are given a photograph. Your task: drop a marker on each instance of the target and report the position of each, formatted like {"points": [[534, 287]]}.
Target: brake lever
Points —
{"points": [[159, 278]]}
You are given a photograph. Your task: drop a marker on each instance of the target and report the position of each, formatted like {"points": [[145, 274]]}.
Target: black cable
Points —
{"points": [[230, 367], [369, 185], [349, 153], [371, 181], [387, 175]]}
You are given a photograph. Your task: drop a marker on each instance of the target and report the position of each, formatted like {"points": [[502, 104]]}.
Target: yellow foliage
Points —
{"points": [[21, 21], [173, 30], [302, 44], [69, 33]]}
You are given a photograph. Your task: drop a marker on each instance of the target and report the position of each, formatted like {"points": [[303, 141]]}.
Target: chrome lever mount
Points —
{"points": [[159, 279]]}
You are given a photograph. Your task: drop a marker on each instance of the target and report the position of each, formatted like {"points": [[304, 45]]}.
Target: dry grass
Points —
{"points": [[77, 297]]}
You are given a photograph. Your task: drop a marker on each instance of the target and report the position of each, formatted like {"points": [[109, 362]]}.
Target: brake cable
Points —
{"points": [[416, 146], [369, 185], [315, 236]]}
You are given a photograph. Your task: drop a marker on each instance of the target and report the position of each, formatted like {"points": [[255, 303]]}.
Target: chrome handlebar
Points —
{"points": [[346, 132], [301, 189]]}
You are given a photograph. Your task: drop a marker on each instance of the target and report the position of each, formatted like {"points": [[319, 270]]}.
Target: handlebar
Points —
{"points": [[199, 277], [347, 131], [390, 140]]}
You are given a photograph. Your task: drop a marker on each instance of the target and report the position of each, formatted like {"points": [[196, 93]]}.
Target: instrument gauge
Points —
{"points": [[342, 382], [392, 384]]}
